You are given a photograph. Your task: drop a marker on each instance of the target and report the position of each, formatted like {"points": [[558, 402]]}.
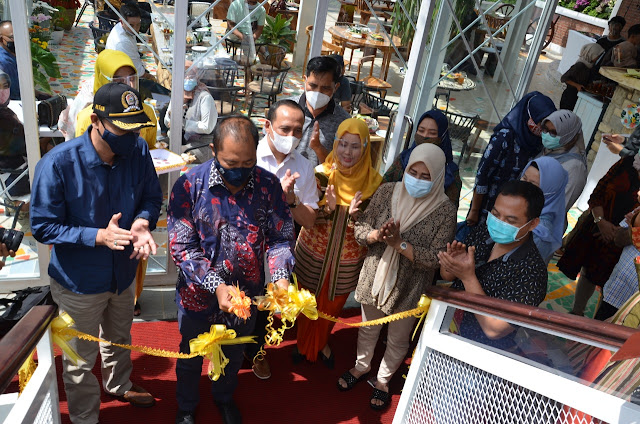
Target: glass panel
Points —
{"points": [[582, 362]]}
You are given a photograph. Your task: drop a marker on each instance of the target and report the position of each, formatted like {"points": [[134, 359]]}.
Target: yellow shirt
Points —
{"points": [[148, 133]]}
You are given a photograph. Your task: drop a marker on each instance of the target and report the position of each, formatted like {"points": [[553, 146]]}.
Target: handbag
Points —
{"points": [[49, 110], [18, 306]]}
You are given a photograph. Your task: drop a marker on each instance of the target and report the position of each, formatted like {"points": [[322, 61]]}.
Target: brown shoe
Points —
{"points": [[261, 369], [137, 396]]}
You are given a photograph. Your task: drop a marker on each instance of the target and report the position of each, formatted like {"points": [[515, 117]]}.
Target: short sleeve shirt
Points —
{"points": [[238, 10]]}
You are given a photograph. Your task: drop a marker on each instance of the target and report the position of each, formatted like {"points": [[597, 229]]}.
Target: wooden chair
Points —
{"points": [[267, 84], [330, 48], [372, 82], [460, 127]]}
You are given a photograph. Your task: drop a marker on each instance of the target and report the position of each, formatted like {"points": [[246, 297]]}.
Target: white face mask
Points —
{"points": [[284, 143], [317, 99]]}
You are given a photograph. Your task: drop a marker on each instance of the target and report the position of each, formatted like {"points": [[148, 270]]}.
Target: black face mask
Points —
{"points": [[11, 46], [234, 176], [121, 145]]}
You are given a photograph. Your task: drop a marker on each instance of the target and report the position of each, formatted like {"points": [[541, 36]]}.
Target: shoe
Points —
{"points": [[137, 310], [261, 368], [329, 362], [185, 417], [137, 396], [351, 380], [229, 412]]}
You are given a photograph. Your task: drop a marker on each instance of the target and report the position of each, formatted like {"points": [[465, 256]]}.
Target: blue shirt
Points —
{"points": [[216, 237], [9, 65], [74, 194]]}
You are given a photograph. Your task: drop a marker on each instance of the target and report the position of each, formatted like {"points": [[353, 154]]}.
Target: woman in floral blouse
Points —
{"points": [[404, 226], [328, 259]]}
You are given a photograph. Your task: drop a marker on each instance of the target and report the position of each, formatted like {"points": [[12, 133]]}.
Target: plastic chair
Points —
{"points": [[221, 84], [357, 93], [106, 21], [99, 37], [267, 84], [84, 7], [460, 127]]}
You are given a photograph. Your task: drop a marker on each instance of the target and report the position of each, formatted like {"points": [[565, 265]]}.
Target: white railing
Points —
{"points": [[38, 403], [455, 380]]}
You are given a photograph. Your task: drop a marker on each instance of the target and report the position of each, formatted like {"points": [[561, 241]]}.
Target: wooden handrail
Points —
{"points": [[18, 343], [577, 326]]}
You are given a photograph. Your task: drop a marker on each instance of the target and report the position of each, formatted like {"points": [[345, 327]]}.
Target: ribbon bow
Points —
{"points": [[301, 301], [61, 333], [423, 304], [209, 345]]}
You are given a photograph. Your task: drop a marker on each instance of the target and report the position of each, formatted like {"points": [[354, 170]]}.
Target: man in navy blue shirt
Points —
{"points": [[96, 199]]}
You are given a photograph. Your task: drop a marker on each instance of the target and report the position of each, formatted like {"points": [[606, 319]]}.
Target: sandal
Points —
{"points": [[329, 361], [351, 380], [385, 397], [137, 310]]}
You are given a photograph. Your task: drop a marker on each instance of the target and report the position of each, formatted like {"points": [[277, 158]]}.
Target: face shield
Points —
{"points": [[130, 80]]}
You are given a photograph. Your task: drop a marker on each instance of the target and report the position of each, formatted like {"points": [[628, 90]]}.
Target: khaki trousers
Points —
{"points": [[397, 343], [106, 315]]}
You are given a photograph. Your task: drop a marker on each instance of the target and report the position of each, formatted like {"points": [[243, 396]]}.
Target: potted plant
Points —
{"points": [[44, 65], [69, 8], [61, 19], [276, 35]]}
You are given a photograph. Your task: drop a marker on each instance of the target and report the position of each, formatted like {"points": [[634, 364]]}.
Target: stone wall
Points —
{"points": [[610, 123]]}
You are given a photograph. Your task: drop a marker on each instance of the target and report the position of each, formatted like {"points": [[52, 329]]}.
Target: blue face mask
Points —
{"points": [[501, 232], [190, 84], [417, 188], [121, 145], [550, 142], [234, 176]]}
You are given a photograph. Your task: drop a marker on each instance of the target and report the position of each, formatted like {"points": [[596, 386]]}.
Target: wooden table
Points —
{"points": [[343, 34], [453, 85]]}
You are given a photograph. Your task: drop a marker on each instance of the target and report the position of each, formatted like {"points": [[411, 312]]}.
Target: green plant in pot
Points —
{"points": [[61, 19], [44, 67], [276, 35]]}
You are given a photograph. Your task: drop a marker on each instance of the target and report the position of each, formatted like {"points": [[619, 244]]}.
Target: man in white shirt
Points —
{"points": [[237, 11], [121, 39], [277, 154]]}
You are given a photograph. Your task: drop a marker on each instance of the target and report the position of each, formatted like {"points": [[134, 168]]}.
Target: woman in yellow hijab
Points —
{"points": [[328, 258], [116, 66]]}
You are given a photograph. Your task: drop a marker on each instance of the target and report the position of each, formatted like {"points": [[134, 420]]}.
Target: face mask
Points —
{"points": [[121, 145], [234, 176], [190, 84], [550, 141], [317, 99], [284, 144], [420, 139], [501, 232], [417, 188], [252, 6], [5, 96], [534, 128]]}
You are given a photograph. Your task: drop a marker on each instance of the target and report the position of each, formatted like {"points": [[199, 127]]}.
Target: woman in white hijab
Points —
{"points": [[404, 226]]}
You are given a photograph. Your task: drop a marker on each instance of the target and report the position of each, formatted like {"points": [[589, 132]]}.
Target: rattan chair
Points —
{"points": [[460, 127]]}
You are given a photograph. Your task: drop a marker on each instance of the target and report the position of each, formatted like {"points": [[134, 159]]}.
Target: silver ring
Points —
{"points": [[115, 243]]}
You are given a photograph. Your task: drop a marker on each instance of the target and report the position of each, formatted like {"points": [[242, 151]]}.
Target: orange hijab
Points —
{"points": [[361, 176]]}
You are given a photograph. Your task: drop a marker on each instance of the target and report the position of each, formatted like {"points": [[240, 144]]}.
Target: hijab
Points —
{"points": [[4, 100], [409, 211], [534, 105], [589, 53], [624, 55], [445, 145], [361, 176], [107, 64], [553, 181]]}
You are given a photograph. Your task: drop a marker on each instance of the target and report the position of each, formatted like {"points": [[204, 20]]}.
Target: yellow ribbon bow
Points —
{"points": [[61, 333], [301, 301], [209, 345], [424, 303]]}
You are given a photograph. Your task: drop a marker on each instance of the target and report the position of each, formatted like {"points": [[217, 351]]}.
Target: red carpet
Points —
{"points": [[294, 394]]}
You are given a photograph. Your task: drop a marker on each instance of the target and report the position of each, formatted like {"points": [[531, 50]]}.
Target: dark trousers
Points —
{"points": [[188, 371], [260, 332]]}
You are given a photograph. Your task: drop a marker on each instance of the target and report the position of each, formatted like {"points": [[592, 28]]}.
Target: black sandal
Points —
{"points": [[385, 397], [351, 380], [329, 361]]}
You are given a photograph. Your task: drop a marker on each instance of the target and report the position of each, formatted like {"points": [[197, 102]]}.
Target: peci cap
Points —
{"points": [[120, 104]]}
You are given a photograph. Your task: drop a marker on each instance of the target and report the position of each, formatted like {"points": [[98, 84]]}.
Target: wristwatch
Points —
{"points": [[296, 202], [403, 246], [597, 219]]}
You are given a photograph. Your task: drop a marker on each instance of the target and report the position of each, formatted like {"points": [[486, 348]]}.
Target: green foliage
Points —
{"points": [[43, 60], [597, 8], [277, 31], [61, 20], [401, 26]]}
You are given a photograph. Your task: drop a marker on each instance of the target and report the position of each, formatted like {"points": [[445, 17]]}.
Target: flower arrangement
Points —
{"points": [[40, 34], [67, 4], [598, 8]]}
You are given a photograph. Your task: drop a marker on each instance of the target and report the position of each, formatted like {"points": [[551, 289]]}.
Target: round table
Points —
{"points": [[343, 34]]}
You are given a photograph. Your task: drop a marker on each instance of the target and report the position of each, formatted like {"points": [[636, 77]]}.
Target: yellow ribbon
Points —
{"points": [[301, 301], [209, 345], [25, 372], [61, 336]]}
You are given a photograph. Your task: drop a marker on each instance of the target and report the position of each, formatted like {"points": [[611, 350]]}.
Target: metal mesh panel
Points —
{"points": [[451, 391], [45, 414]]}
